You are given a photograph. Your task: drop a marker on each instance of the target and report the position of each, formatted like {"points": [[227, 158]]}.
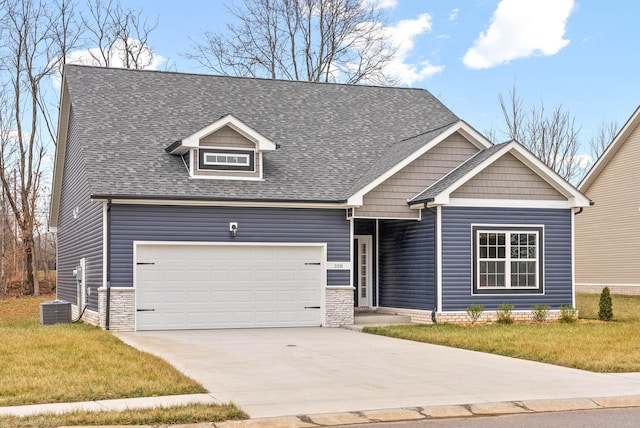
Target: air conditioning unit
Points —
{"points": [[55, 312]]}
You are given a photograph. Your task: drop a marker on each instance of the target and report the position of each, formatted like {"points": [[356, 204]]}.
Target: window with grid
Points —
{"points": [[507, 260], [226, 160]]}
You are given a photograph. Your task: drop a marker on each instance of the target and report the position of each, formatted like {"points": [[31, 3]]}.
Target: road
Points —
{"points": [[597, 418]]}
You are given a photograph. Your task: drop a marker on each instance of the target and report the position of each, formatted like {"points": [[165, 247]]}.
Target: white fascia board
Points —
{"points": [[619, 139], [474, 137], [471, 134], [263, 144], [61, 150], [574, 197], [504, 203]]}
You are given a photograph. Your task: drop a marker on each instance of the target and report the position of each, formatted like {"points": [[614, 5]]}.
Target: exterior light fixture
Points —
{"points": [[233, 228]]}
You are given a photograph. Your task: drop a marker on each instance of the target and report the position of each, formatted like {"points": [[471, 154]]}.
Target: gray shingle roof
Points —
{"points": [[439, 186], [333, 139]]}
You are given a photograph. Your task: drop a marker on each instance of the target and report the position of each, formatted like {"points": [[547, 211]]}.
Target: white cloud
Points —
{"points": [[149, 59], [382, 4], [519, 29], [403, 36], [583, 161], [454, 14]]}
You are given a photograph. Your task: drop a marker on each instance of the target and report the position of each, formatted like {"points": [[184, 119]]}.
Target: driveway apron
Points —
{"points": [[291, 371]]}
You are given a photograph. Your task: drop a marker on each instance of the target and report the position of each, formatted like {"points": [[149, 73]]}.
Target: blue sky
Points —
{"points": [[582, 54]]}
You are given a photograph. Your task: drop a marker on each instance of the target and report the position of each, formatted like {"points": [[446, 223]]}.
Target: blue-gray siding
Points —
{"points": [[211, 224], [407, 263], [457, 254], [81, 236]]}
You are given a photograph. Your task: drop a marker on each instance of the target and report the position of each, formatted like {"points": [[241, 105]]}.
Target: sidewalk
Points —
{"points": [[336, 419]]}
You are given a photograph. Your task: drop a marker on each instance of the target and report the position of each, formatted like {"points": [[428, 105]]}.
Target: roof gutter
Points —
{"points": [[195, 199], [591, 203]]}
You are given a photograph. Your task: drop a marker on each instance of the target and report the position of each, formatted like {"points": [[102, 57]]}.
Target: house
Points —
{"points": [[186, 201], [608, 234]]}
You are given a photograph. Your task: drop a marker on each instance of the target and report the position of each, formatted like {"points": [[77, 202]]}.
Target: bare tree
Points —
{"points": [[553, 137], [606, 133], [30, 52], [118, 36], [313, 40]]}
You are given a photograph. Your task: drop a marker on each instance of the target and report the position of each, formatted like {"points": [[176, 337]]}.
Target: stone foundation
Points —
{"points": [[426, 317], [122, 309], [89, 316], [491, 316], [417, 317], [338, 306]]}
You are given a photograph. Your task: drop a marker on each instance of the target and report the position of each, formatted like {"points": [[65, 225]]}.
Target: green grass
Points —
{"points": [[74, 362], [79, 362], [191, 414], [594, 346]]}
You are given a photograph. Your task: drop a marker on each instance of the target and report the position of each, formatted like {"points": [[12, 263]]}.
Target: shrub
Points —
{"points": [[504, 313], [475, 312], [567, 314], [606, 308], [540, 313]]}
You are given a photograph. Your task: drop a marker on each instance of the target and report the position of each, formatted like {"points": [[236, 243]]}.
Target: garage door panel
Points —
{"points": [[209, 286]]}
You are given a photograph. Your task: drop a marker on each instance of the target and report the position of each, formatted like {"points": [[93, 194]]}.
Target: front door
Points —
{"points": [[362, 270]]}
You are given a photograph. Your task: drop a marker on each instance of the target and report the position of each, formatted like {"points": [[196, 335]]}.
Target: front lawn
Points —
{"points": [[74, 362], [79, 362], [594, 346]]}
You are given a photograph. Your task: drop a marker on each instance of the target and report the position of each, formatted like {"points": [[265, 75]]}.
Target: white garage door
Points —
{"points": [[227, 286]]}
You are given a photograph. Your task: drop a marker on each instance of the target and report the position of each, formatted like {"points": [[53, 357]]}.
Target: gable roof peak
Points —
{"points": [[263, 144], [632, 123]]}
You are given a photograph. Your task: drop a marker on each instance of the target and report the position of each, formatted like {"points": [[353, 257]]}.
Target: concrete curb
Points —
{"points": [[434, 412], [338, 419]]}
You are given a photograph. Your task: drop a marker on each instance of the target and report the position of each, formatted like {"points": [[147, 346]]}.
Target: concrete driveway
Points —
{"points": [[290, 371]]}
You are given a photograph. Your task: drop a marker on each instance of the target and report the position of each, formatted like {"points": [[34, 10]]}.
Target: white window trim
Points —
{"points": [[234, 174], [507, 289], [238, 156]]}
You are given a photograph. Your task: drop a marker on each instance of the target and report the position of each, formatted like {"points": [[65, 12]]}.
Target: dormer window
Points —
{"points": [[226, 160], [227, 149]]}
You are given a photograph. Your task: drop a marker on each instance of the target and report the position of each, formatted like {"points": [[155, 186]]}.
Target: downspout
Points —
{"points": [[108, 264], [435, 255]]}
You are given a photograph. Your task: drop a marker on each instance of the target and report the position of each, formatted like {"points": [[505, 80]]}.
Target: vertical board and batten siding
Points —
{"points": [[457, 256], [407, 263], [508, 178], [389, 199], [211, 224], [81, 236], [608, 233]]}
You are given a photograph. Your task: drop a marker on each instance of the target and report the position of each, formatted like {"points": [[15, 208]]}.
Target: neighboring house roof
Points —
{"points": [[328, 135], [612, 149], [439, 193]]}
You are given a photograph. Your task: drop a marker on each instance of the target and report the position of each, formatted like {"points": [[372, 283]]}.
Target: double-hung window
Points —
{"points": [[507, 260]]}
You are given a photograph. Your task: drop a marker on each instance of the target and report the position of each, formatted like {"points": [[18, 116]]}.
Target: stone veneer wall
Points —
{"points": [[417, 316], [491, 316], [338, 306], [90, 317], [122, 308], [426, 317]]}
